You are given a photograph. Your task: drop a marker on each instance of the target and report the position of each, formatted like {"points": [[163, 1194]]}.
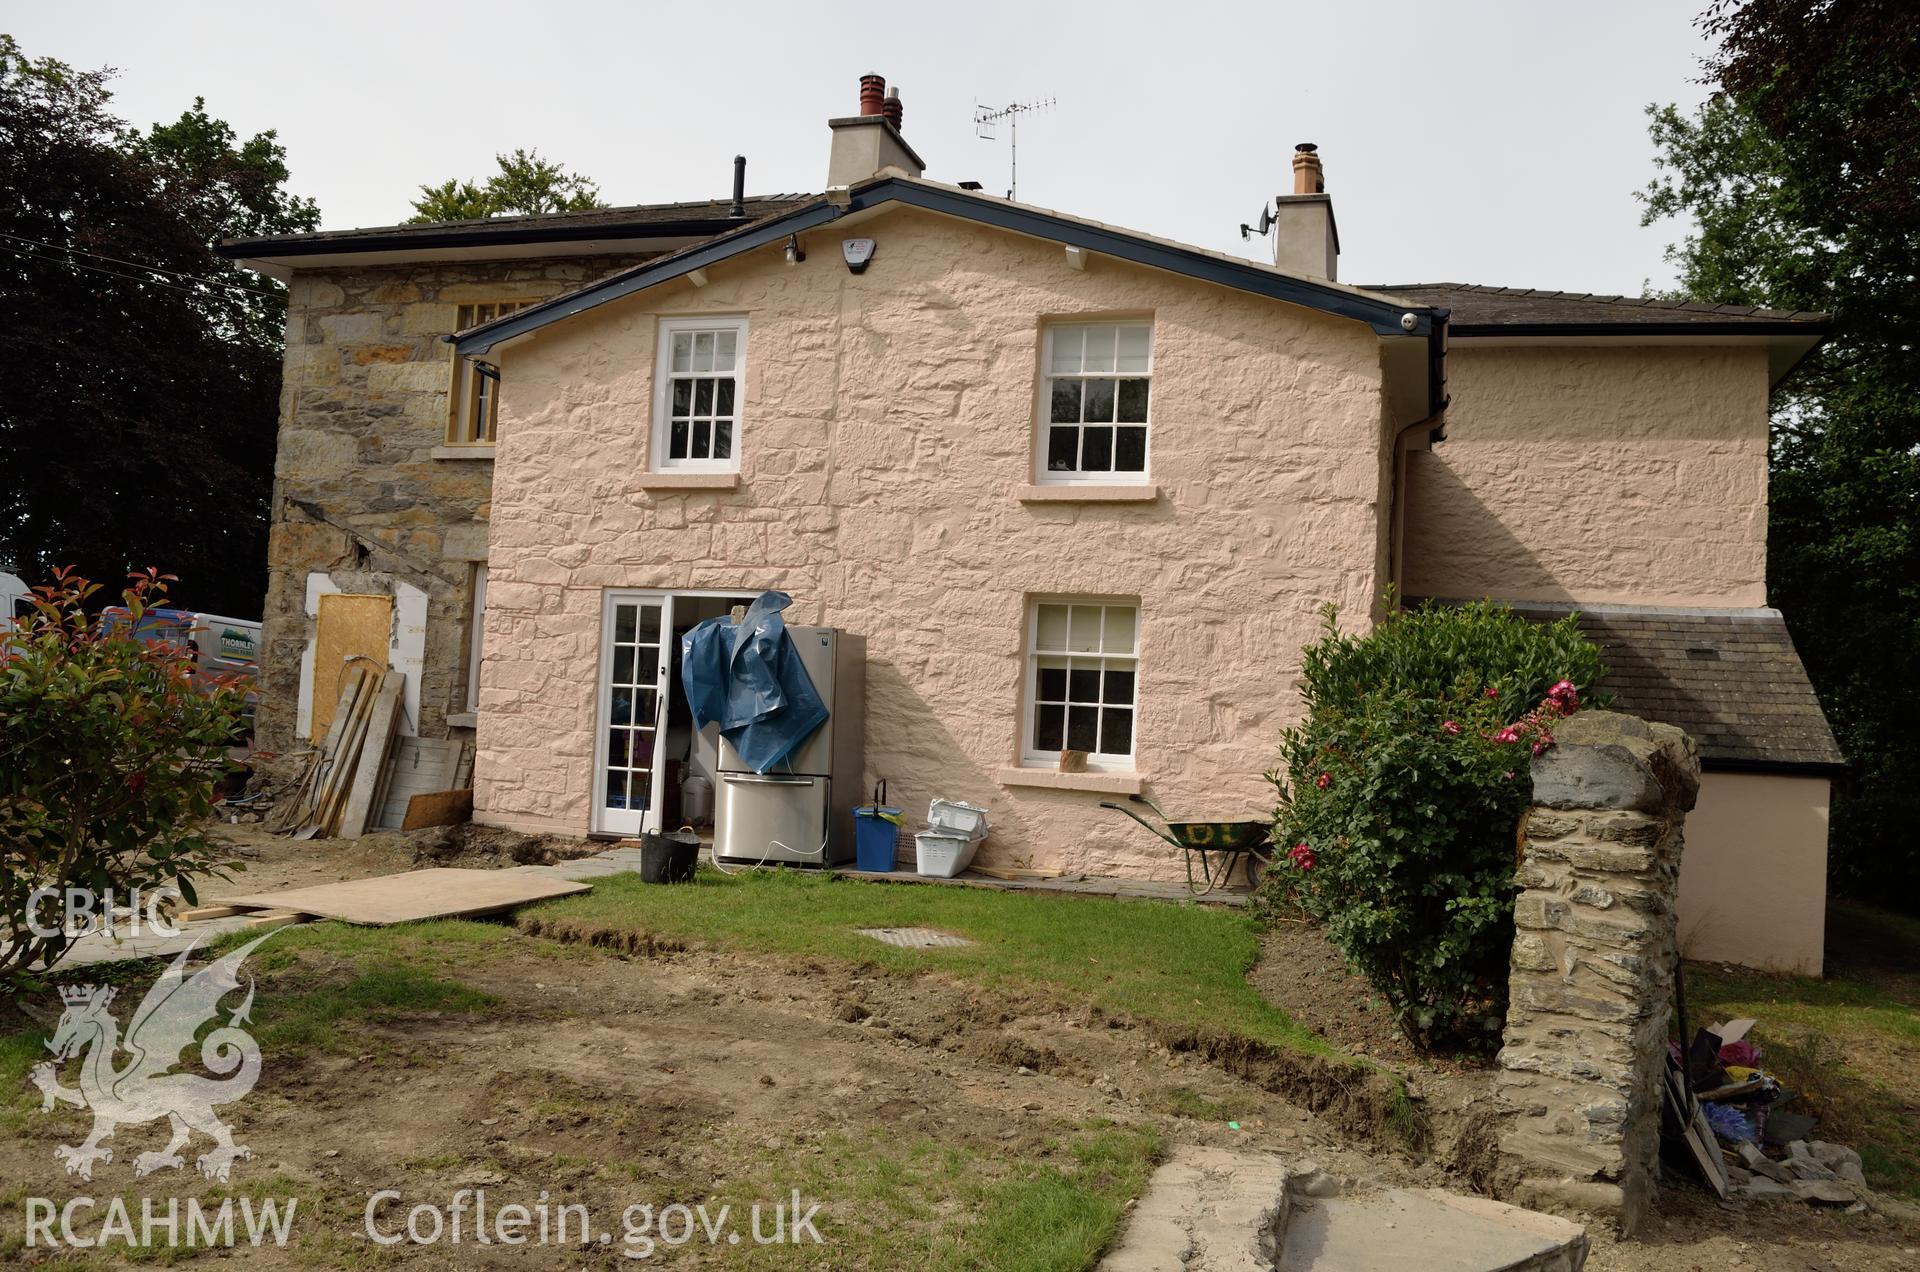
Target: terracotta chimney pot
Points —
{"points": [[891, 107], [1308, 178], [873, 88]]}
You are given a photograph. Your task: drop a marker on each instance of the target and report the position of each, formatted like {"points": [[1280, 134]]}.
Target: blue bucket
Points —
{"points": [[876, 833]]}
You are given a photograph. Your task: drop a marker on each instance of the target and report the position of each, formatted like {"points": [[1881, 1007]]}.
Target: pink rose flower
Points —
{"points": [[1451, 728], [1323, 781]]}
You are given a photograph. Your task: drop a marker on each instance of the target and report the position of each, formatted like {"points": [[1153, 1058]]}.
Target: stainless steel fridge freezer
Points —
{"points": [[801, 813]]}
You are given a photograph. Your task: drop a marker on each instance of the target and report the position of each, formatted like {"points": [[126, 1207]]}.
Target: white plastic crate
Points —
{"points": [[942, 856], [957, 817]]}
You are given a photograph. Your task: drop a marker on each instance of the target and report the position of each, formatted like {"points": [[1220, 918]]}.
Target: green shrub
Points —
{"points": [[108, 755], [1403, 794]]}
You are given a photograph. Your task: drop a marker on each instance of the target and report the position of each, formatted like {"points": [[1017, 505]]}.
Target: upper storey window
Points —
{"points": [[473, 400], [1095, 396], [698, 385]]}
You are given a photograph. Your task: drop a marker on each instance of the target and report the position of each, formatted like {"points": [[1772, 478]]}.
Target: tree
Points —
{"points": [[139, 373], [1802, 176], [526, 184]]}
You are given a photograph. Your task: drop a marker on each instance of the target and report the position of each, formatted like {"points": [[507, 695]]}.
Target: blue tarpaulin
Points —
{"points": [[748, 678]]}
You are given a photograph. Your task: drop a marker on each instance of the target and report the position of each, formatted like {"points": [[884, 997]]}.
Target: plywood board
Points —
{"points": [[438, 808], [416, 895], [373, 755], [348, 626]]}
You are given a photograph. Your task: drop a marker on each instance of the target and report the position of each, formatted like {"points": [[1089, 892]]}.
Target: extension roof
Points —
{"points": [[1731, 678], [665, 225], [1523, 315], [1480, 310]]}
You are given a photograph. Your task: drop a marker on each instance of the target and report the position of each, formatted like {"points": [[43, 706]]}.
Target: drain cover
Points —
{"points": [[914, 938]]}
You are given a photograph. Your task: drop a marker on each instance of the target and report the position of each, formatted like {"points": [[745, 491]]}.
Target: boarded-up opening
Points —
{"points": [[347, 626]]}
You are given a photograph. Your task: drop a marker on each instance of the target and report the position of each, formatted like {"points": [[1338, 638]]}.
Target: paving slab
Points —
{"points": [[1223, 1210], [1428, 1229], [1206, 1210]]}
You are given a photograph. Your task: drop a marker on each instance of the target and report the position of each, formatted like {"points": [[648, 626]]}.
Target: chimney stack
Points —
{"points": [[869, 144], [1306, 243]]}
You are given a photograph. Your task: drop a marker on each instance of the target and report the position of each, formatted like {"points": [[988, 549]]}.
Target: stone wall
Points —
{"points": [[1593, 961], [358, 493]]}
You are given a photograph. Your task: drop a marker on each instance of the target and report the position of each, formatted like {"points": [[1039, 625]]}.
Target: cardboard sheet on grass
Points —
{"points": [[416, 895]]}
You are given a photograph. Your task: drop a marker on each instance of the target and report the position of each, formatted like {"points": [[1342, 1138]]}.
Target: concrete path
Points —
{"points": [[1216, 1210], [97, 947]]}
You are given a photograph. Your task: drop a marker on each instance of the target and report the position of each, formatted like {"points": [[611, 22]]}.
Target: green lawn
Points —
{"points": [[1850, 1043], [1179, 965]]}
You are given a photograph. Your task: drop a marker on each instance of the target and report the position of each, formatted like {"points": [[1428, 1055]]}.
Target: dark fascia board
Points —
{"points": [[1628, 330], [1782, 332], [1382, 316], [1782, 768], [477, 236]]}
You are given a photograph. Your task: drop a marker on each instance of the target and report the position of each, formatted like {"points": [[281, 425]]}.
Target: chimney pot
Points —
{"points": [[873, 89], [1308, 177], [890, 106]]}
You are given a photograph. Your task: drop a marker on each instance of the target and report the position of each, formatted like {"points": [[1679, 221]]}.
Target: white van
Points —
{"points": [[14, 598]]}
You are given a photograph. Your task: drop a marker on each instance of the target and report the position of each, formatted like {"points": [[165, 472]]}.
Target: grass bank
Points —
{"points": [[1183, 966]]}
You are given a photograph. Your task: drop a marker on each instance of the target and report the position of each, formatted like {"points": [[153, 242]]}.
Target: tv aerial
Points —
{"points": [[987, 118]]}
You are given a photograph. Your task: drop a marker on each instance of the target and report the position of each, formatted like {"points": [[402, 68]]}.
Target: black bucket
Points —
{"points": [[669, 858]]}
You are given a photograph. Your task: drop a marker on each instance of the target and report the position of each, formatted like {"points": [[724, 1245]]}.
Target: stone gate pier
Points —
{"points": [[1591, 986]]}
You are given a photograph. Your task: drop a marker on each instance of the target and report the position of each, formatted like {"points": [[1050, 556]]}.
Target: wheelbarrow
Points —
{"points": [[1220, 847]]}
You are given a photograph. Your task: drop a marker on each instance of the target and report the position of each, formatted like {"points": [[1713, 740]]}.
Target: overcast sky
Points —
{"points": [[1469, 142]]}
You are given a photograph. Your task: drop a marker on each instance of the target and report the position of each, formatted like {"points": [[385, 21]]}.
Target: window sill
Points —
{"points": [[1067, 493], [687, 481], [464, 720], [462, 452], [1109, 783]]}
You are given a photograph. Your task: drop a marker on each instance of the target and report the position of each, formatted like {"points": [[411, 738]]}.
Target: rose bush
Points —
{"points": [[109, 751], [1402, 794]]}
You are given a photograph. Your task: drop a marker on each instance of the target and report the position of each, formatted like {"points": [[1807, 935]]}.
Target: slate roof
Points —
{"points": [[1484, 310], [1731, 678], [703, 217], [1390, 316]]}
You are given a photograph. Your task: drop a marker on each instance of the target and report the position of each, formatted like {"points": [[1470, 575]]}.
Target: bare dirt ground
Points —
{"points": [[278, 861], [607, 1079]]}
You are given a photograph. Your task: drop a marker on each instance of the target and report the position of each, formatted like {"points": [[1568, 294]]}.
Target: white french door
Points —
{"points": [[634, 662]]}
